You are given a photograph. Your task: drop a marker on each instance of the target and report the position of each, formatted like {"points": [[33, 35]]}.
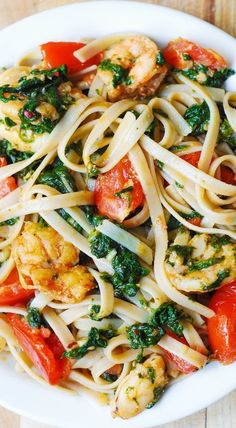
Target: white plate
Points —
{"points": [[95, 19]]}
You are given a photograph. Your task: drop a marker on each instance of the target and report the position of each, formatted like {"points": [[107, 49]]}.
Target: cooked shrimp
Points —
{"points": [[137, 57], [20, 137], [202, 263], [51, 263], [142, 387]]}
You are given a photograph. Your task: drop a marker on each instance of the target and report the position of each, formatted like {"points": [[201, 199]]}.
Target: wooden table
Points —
{"points": [[222, 13]]}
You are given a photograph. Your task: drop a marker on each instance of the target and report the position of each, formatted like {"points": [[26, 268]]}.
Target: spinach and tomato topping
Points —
{"points": [[198, 116], [58, 176], [205, 75], [34, 317], [127, 273], [97, 338], [100, 244], [93, 218], [38, 89], [166, 317]]}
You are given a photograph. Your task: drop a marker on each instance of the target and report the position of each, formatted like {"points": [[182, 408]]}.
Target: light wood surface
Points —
{"points": [[222, 13]]}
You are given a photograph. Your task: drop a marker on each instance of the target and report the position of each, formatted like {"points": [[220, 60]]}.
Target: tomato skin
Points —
{"points": [[222, 327], [175, 50], [182, 365], [115, 180], [11, 291], [227, 175], [58, 53], [192, 158], [3, 162], [36, 348], [195, 221], [8, 184]]}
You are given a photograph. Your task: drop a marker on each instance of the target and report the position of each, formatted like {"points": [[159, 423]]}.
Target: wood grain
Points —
{"points": [[221, 13]]}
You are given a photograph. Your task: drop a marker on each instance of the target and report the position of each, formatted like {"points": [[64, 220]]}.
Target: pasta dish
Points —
{"points": [[117, 216]]}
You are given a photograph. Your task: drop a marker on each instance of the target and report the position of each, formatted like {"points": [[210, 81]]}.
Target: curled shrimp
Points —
{"points": [[141, 388], [136, 57]]}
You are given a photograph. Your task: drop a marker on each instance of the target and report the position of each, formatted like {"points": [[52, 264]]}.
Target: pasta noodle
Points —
{"points": [[117, 214]]}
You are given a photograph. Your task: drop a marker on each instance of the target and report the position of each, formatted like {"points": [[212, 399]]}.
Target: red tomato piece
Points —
{"points": [[11, 291], [182, 365], [119, 178], [58, 53], [8, 184], [37, 349], [115, 370], [226, 293], [3, 162], [222, 327], [227, 175], [176, 49], [196, 221], [192, 158]]}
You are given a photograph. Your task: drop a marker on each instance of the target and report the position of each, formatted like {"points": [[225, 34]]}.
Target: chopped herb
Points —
{"points": [[41, 222], [109, 377], [140, 357], [93, 314], [219, 77], [177, 148], [34, 318], [173, 223], [144, 335], [120, 74], [179, 185], [183, 251], [204, 264], [206, 76], [160, 164], [121, 192], [93, 171], [69, 219], [128, 272], [218, 241], [198, 116], [186, 57], [10, 221], [97, 338], [151, 374], [9, 122], [190, 216], [160, 58], [221, 275], [92, 217], [167, 315], [58, 176], [100, 244], [156, 396], [12, 155], [151, 127], [226, 134]]}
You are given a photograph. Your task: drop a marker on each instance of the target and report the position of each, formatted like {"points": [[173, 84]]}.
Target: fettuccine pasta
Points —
{"points": [[117, 215]]}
